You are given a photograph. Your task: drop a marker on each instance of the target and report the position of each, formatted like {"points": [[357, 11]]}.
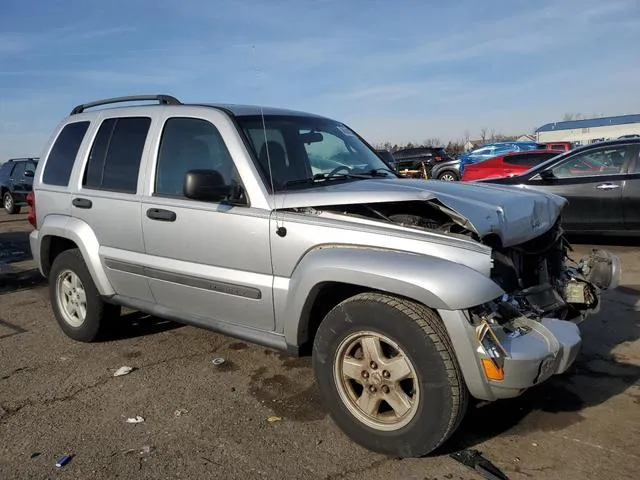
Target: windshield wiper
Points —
{"points": [[318, 177]]}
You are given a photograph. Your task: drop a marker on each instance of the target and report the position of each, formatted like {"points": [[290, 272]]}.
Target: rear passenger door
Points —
{"points": [[106, 198], [210, 262]]}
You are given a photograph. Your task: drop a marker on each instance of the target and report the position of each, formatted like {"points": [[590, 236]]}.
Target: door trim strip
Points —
{"points": [[187, 280]]}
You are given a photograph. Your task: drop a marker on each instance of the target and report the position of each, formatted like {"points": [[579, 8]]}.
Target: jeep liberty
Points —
{"points": [[286, 229]]}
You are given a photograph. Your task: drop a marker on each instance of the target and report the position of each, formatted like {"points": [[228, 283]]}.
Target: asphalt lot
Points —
{"points": [[60, 397]]}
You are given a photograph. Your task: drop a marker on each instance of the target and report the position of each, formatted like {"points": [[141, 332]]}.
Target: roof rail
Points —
{"points": [[162, 99]]}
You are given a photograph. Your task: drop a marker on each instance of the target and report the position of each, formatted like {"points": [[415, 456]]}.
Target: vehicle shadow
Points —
{"points": [[137, 324], [600, 372]]}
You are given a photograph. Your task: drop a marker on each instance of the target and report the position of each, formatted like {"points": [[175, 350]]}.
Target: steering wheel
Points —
{"points": [[337, 169]]}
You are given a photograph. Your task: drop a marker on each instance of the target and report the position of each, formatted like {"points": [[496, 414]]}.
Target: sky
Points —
{"points": [[395, 71]]}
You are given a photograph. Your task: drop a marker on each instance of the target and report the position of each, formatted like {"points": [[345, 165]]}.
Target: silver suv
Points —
{"points": [[288, 230]]}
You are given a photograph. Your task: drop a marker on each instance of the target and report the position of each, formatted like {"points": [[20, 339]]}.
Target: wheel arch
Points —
{"points": [[59, 233], [326, 276]]}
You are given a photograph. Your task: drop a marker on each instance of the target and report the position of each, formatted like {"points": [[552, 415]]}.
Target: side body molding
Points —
{"points": [[435, 282], [83, 236]]}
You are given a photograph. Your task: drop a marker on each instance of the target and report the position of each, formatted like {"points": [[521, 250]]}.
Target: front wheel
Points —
{"points": [[388, 375], [448, 176], [10, 204]]}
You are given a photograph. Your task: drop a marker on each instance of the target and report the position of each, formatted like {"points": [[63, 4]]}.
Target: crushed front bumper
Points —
{"points": [[549, 348], [524, 351]]}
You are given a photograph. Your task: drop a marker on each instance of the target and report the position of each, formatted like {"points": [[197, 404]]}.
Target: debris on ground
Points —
{"points": [[63, 460], [125, 370], [35, 454], [534, 444], [218, 361], [475, 461], [136, 419], [146, 449], [273, 419], [180, 411]]}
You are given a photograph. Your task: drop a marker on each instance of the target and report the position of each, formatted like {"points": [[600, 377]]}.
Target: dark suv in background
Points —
{"points": [[410, 161], [16, 181]]}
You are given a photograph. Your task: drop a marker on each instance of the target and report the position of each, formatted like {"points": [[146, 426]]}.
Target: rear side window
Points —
{"points": [[63, 154], [530, 160], [114, 161]]}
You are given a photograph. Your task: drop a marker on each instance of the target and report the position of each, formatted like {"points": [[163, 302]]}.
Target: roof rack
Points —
{"points": [[162, 99]]}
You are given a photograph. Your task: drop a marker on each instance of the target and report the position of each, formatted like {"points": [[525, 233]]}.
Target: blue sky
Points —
{"points": [[399, 71]]}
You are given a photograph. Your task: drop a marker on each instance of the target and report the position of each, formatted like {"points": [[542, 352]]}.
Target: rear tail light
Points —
{"points": [[31, 217], [439, 158]]}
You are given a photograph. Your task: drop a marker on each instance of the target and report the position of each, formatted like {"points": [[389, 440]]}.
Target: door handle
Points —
{"points": [[161, 215], [82, 203], [607, 186]]}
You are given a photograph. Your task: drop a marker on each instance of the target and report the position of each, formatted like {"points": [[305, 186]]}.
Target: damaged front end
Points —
{"points": [[542, 278], [531, 332]]}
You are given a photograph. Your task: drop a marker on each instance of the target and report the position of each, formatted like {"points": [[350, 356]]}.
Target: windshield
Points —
{"points": [[303, 151]]}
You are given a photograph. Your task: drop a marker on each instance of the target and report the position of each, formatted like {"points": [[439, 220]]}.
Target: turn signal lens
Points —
{"points": [[491, 370]]}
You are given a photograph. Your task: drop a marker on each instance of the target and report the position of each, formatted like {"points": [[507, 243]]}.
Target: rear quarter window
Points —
{"points": [[114, 161], [60, 162]]}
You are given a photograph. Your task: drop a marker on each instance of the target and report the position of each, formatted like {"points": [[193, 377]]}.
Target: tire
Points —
{"points": [[91, 326], [448, 176], [9, 204], [437, 406]]}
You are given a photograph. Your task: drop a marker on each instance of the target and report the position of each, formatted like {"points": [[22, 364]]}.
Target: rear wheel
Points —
{"points": [[76, 302], [10, 204], [388, 375]]}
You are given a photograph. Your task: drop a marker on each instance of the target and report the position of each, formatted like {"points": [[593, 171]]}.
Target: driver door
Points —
{"points": [[592, 182]]}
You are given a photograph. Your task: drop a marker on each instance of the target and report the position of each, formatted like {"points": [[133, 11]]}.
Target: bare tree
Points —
{"points": [[466, 136], [483, 134], [432, 142]]}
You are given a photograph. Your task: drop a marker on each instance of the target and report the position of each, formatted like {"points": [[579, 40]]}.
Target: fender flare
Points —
{"points": [[435, 282], [84, 237]]}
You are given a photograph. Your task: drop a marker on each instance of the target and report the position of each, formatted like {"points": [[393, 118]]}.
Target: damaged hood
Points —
{"points": [[513, 213]]}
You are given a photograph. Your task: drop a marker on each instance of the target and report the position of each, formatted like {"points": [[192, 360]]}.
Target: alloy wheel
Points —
{"points": [[376, 380]]}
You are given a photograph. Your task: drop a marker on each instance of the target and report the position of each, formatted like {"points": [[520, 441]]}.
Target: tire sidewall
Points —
{"points": [[72, 260], [432, 418]]}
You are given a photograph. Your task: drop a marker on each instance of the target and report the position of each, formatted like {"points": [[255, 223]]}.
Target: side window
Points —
{"points": [[529, 160], [63, 154], [30, 167], [603, 161], [114, 161], [18, 171], [190, 144]]}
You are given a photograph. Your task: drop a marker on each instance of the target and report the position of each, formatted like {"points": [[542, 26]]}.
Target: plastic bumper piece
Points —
{"points": [[548, 348]]}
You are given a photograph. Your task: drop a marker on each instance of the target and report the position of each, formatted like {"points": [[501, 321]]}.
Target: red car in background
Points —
{"points": [[507, 165], [563, 146]]}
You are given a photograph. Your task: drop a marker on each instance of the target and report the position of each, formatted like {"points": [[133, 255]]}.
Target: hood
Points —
{"points": [[513, 213]]}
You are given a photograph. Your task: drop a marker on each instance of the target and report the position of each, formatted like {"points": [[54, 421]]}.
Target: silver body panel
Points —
{"points": [[224, 267]]}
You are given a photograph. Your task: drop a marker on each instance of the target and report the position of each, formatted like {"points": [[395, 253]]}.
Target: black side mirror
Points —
{"points": [[29, 173], [206, 185]]}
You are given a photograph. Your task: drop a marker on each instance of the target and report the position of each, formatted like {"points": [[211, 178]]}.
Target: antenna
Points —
{"points": [[280, 230]]}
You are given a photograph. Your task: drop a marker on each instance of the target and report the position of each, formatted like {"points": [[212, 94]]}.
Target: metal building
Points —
{"points": [[582, 132]]}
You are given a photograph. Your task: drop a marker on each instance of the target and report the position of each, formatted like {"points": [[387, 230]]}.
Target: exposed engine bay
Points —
{"points": [[539, 276]]}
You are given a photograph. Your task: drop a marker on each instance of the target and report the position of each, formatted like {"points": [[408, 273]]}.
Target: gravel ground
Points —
{"points": [[204, 421]]}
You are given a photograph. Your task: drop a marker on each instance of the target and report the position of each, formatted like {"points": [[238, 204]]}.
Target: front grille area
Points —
{"points": [[536, 262]]}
